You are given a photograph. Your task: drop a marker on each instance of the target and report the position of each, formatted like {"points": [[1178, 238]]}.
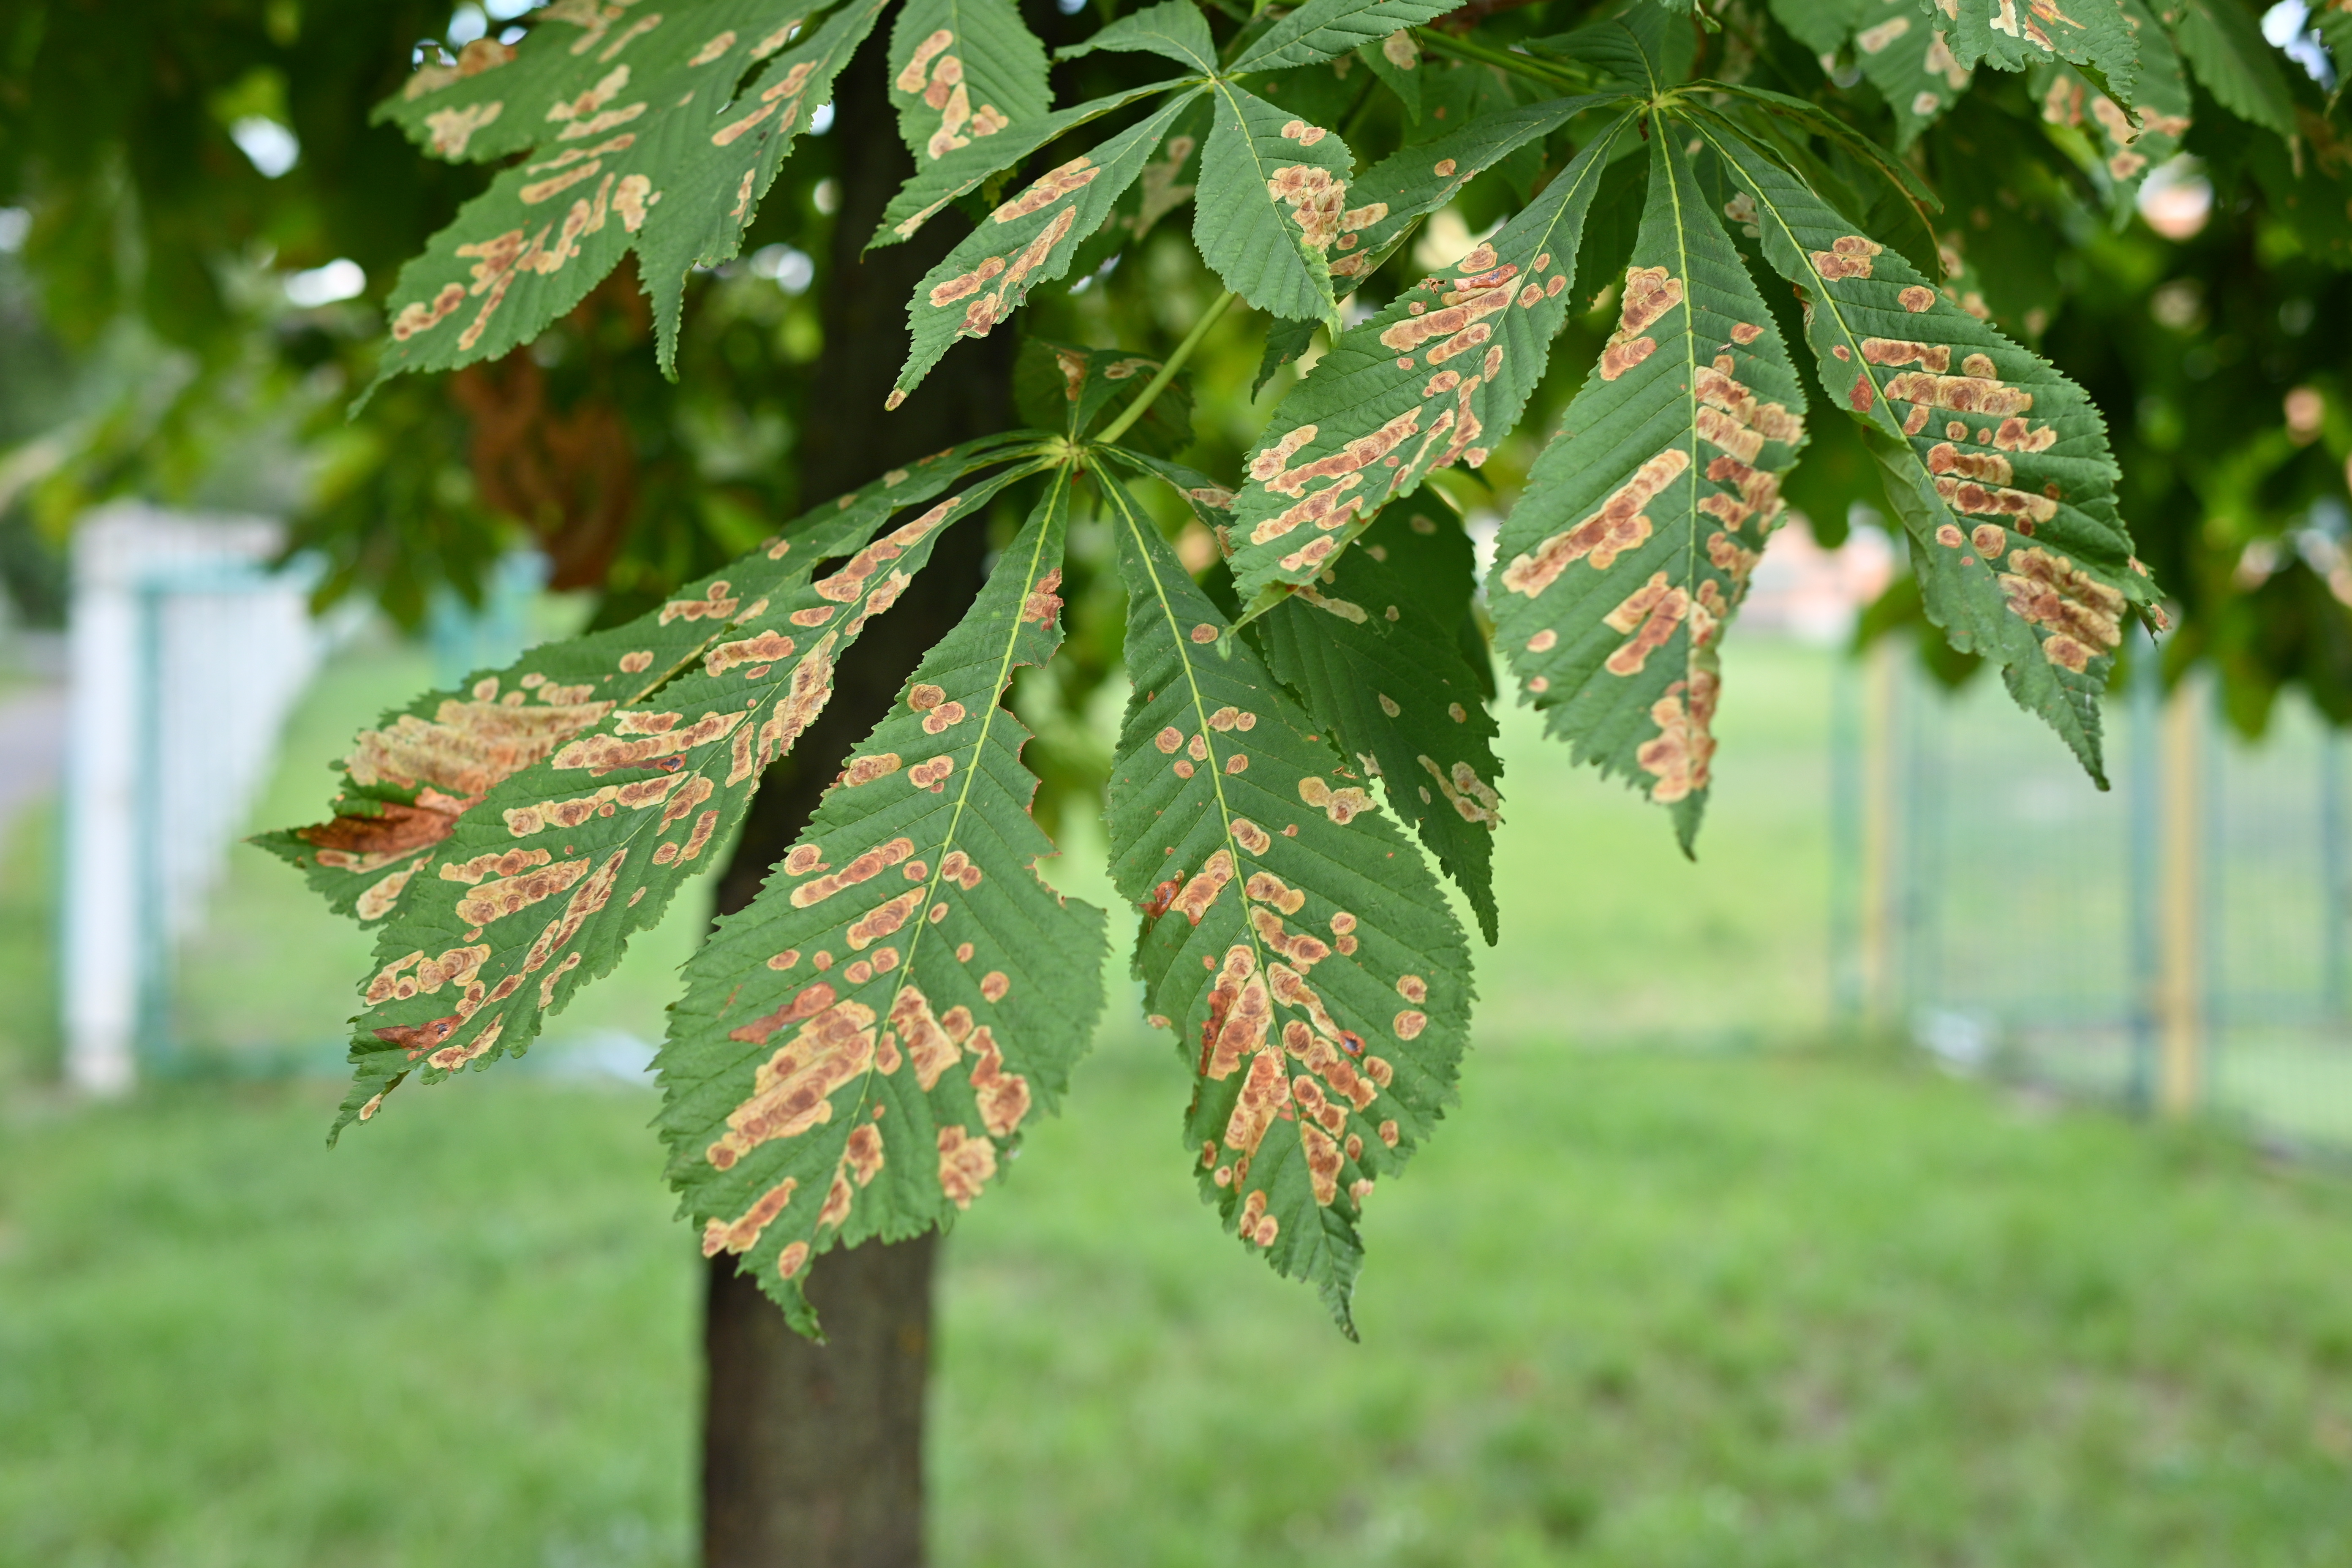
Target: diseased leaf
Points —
{"points": [[962, 71], [1075, 389], [1377, 654], [2124, 144], [1615, 574], [1273, 200], [1396, 60], [1293, 940], [1322, 28], [410, 778], [551, 868], [1908, 58], [641, 141], [2224, 47], [1173, 30], [936, 182], [1029, 239], [710, 204], [1421, 178], [856, 1050], [1999, 464], [2012, 34], [1438, 376]]}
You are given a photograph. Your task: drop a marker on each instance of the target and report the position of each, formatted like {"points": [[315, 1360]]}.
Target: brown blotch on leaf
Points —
{"points": [[965, 1165]]}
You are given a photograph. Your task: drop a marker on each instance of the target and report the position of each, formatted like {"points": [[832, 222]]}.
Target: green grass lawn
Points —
{"points": [[1679, 1284], [1639, 1307]]}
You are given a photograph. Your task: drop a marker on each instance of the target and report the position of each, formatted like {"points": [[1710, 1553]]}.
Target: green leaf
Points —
{"points": [[2012, 34], [1436, 377], [1630, 548], [1323, 28], [1425, 176], [1396, 60], [1641, 46], [1285, 342], [711, 201], [962, 71], [1376, 653], [1998, 466], [552, 867], [1273, 199], [1822, 25], [856, 1050], [2121, 145], [2224, 47], [638, 140], [1293, 940], [935, 184], [1027, 240], [1173, 30], [1072, 388], [1910, 61]]}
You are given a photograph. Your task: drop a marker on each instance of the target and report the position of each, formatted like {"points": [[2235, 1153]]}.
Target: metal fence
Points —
{"points": [[2179, 942]]}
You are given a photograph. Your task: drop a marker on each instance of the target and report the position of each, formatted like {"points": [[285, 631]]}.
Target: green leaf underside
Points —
{"points": [[962, 71], [1028, 239], [1433, 379], [856, 1050], [2124, 144], [2013, 34], [1998, 466], [640, 142], [935, 184], [1321, 29], [1615, 574], [2224, 47], [558, 863], [1378, 654], [1271, 204], [1292, 938], [1173, 30]]}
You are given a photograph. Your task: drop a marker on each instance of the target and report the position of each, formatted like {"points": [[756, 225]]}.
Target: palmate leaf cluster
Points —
{"points": [[854, 1054]]}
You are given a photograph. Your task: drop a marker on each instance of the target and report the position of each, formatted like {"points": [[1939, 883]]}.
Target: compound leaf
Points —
{"points": [[1998, 466], [1292, 938], [1272, 201], [648, 146], [552, 867], [1631, 546], [1437, 377], [1029, 239], [855, 1051], [962, 71]]}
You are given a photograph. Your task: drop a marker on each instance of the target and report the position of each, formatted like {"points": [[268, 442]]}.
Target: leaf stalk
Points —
{"points": [[1158, 383]]}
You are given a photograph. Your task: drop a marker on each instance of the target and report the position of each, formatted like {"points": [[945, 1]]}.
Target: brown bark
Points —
{"points": [[812, 1454]]}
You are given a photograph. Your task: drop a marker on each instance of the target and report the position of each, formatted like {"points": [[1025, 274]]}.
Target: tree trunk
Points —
{"points": [[812, 1454]]}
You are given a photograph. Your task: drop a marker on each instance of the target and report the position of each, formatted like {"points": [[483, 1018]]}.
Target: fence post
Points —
{"points": [[2180, 998], [2144, 892], [1875, 914]]}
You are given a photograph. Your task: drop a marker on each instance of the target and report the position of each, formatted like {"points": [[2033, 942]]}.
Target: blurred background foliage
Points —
{"points": [[199, 216]]}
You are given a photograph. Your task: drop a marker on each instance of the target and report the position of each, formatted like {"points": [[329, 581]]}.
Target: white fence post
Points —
{"points": [[187, 654]]}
